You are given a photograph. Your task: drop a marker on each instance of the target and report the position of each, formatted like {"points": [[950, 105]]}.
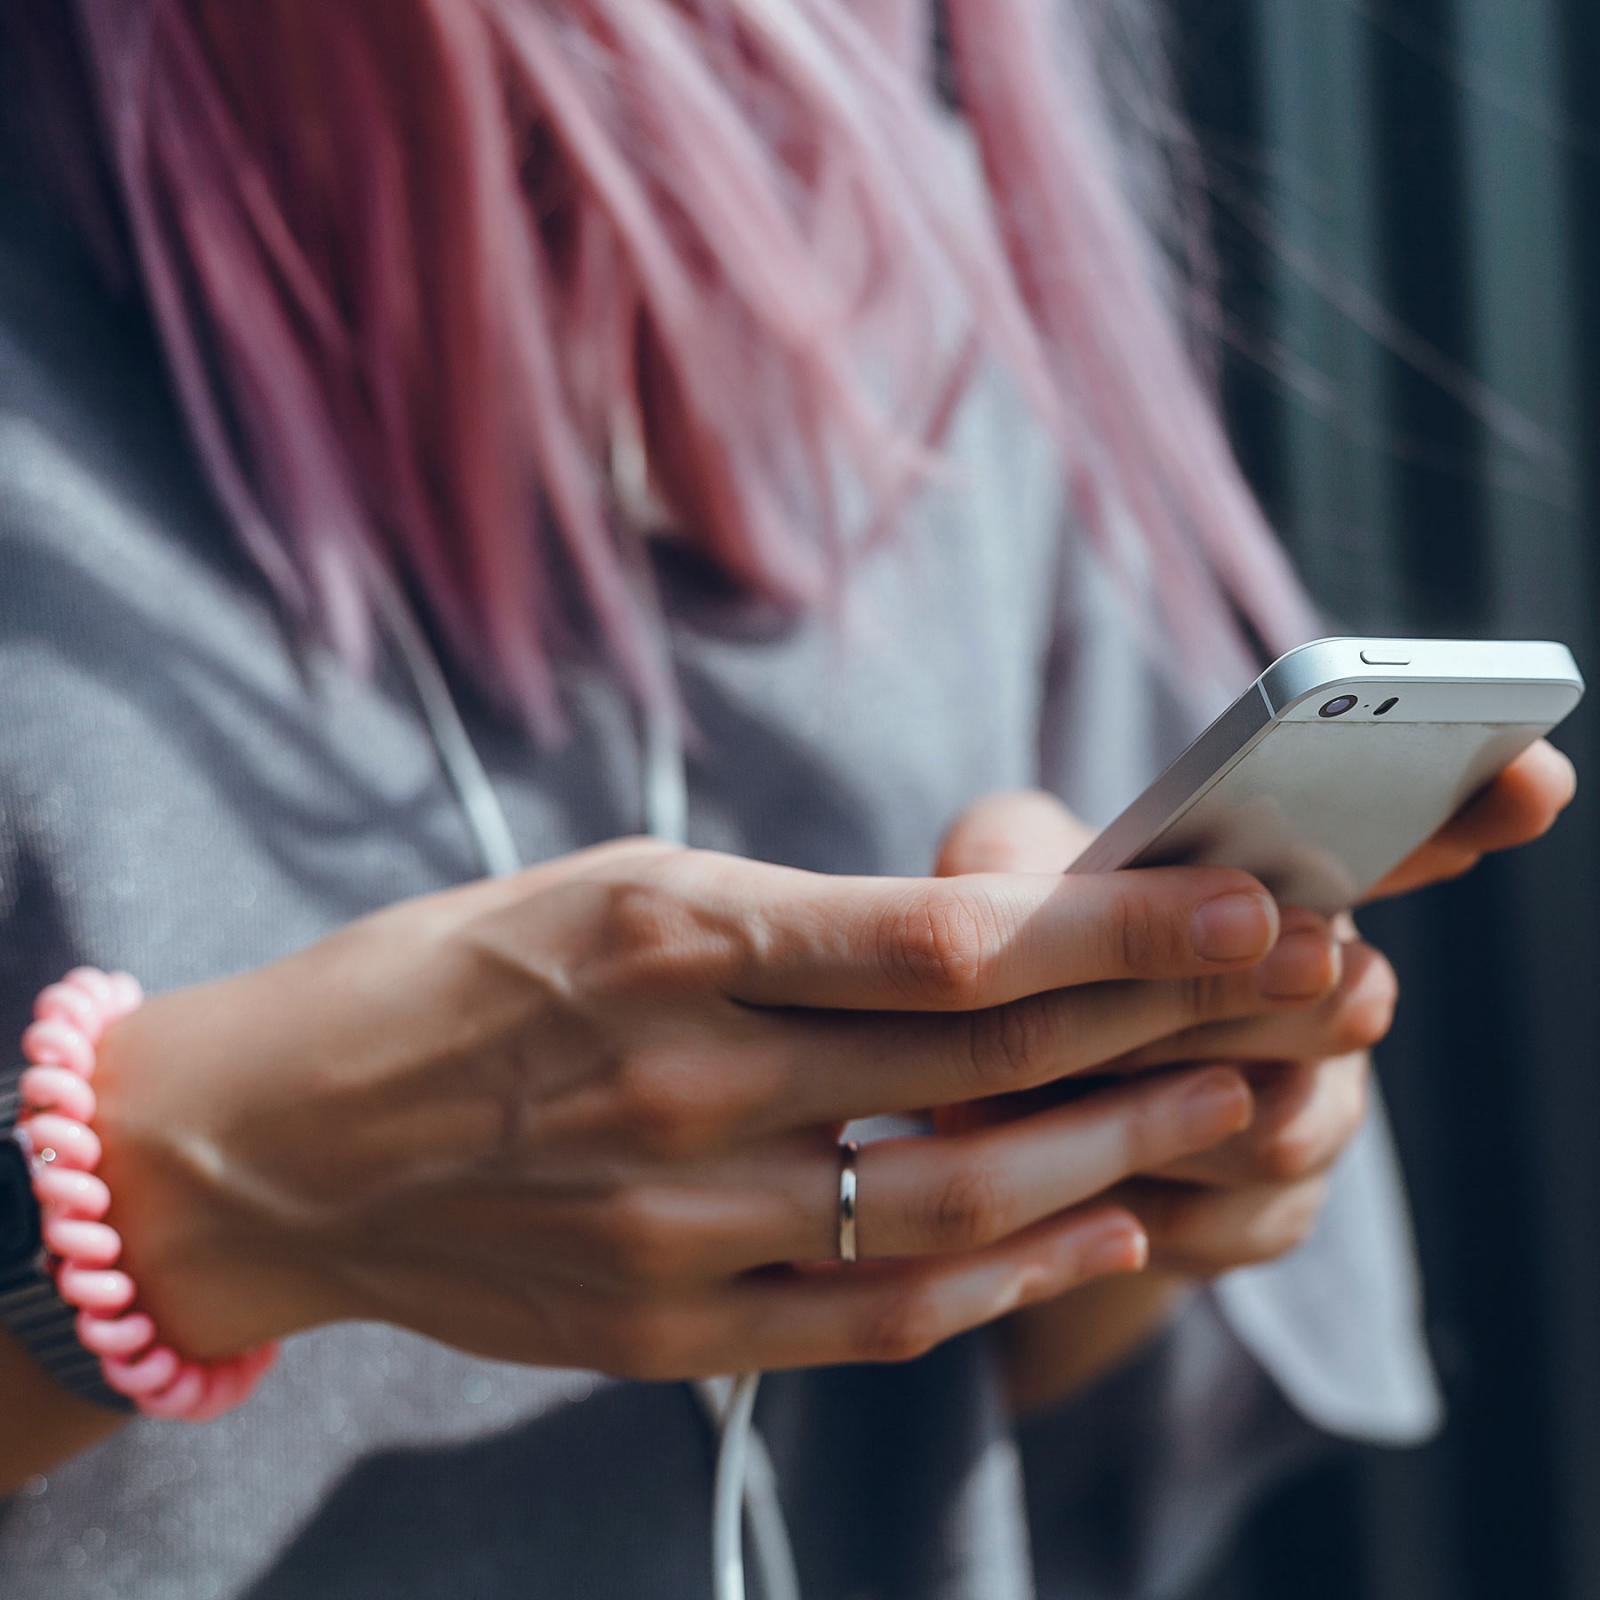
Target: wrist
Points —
{"points": [[216, 1274]]}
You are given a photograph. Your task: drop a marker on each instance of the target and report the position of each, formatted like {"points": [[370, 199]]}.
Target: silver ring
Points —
{"points": [[848, 1149]]}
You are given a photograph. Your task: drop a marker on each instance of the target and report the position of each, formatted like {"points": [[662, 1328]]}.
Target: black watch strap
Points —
{"points": [[30, 1309]]}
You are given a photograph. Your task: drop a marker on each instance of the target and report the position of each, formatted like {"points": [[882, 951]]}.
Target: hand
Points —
{"points": [[586, 1115], [1258, 1196]]}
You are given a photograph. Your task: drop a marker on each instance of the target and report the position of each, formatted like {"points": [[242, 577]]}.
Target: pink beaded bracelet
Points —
{"points": [[83, 1249]]}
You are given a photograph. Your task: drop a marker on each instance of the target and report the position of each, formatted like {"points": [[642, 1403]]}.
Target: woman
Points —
{"points": [[390, 388]]}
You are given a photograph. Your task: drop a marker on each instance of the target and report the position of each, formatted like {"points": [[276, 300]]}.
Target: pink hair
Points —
{"points": [[414, 262]]}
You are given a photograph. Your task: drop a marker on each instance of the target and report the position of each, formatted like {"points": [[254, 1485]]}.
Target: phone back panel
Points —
{"points": [[1319, 812]]}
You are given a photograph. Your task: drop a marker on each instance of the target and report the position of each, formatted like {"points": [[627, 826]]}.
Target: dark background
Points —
{"points": [[1407, 194]]}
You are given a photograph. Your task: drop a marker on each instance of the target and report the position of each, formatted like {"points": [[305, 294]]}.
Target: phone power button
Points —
{"points": [[1385, 658]]}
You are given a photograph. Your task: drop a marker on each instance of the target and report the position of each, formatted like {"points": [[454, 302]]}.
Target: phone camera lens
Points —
{"points": [[1338, 706]]}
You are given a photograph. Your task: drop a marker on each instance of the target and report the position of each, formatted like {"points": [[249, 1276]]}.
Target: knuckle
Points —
{"points": [[935, 944], [656, 922], [642, 1243], [1141, 942], [1341, 1105], [1292, 1152], [1314, 1123], [643, 932], [904, 1325], [1384, 982], [1346, 1031], [969, 1208], [666, 1104], [643, 913], [1356, 1027], [1006, 1044], [1365, 1016], [1211, 998]]}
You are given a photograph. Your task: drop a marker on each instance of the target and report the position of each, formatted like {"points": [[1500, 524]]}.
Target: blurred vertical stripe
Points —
{"points": [[1407, 194]]}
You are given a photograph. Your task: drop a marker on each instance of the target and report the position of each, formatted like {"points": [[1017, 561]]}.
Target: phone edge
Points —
{"points": [[1299, 674]]}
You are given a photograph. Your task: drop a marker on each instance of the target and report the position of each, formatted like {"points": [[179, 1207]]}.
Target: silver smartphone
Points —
{"points": [[1342, 758]]}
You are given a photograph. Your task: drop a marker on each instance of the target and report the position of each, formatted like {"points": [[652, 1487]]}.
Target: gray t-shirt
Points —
{"points": [[186, 792]]}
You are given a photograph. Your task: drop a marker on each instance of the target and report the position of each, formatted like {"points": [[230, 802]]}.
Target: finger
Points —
{"points": [[834, 1067], [959, 944], [1356, 1015], [897, 1311], [777, 1202], [1307, 1112], [1521, 804], [1204, 1232], [935, 1195], [787, 1317], [932, 1196], [1022, 830]]}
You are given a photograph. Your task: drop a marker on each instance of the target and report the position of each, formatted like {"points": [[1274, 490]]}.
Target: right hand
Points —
{"points": [[586, 1115]]}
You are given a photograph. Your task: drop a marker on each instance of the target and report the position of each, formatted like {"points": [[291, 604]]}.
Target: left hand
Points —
{"points": [[1259, 1195]]}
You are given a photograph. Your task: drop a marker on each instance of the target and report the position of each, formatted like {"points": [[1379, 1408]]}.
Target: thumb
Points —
{"points": [[1019, 830]]}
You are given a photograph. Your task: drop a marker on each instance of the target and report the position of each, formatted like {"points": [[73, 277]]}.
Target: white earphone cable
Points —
{"points": [[728, 1496]]}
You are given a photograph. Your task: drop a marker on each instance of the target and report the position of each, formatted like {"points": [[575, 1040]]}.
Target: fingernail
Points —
{"points": [[1303, 965], [1212, 1106], [1234, 927], [1122, 1248]]}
